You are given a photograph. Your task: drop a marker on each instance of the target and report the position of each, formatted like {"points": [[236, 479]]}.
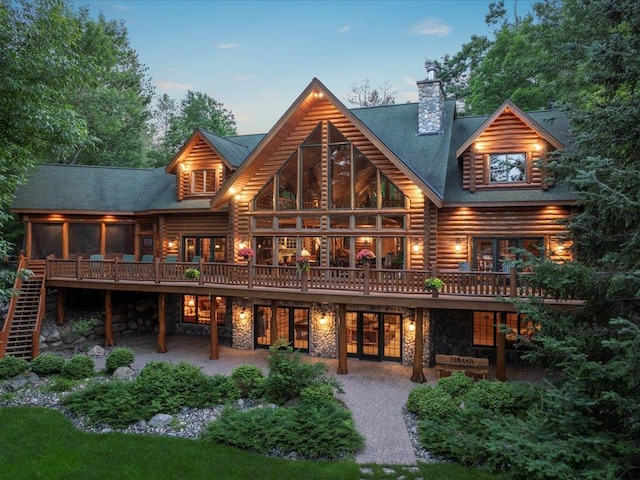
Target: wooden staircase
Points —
{"points": [[20, 334]]}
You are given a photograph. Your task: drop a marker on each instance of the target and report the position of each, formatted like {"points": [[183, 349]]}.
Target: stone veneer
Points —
{"points": [[242, 328], [430, 107], [409, 338], [323, 339]]}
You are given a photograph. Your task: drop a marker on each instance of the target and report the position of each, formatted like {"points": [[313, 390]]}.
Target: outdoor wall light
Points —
{"points": [[412, 326], [416, 247], [458, 245], [243, 315], [322, 321]]}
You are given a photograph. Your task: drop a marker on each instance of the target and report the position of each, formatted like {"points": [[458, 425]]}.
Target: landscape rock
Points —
{"points": [[22, 380], [124, 373], [96, 351], [160, 420]]}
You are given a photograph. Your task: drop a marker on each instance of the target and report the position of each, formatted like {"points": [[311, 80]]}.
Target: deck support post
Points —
{"points": [[304, 281], [60, 316], [215, 348], [418, 374], [341, 317], [501, 361], [273, 326], [162, 323], [108, 319]]}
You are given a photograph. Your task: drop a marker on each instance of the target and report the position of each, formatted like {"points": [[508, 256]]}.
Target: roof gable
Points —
{"points": [[312, 96], [508, 108]]}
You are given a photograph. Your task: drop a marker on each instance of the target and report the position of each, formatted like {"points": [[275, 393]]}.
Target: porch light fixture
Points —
{"points": [[416, 247], [458, 245], [322, 321], [170, 244], [243, 315], [412, 326]]}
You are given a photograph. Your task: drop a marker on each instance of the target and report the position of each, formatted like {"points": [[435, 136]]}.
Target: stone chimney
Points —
{"points": [[430, 102]]}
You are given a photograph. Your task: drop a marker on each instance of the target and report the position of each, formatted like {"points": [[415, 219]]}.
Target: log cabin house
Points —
{"points": [[427, 192]]}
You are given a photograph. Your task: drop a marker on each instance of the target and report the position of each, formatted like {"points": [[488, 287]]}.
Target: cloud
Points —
{"points": [[174, 86], [409, 81], [243, 77], [344, 29], [431, 26], [120, 8], [227, 45]]}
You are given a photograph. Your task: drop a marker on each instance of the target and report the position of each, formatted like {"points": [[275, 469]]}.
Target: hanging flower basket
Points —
{"points": [[302, 264], [192, 273], [246, 253], [365, 256]]}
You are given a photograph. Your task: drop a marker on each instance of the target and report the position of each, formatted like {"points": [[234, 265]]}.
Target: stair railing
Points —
{"points": [[35, 333], [6, 328]]}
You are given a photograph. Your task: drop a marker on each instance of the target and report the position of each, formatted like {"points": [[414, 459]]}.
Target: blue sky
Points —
{"points": [[256, 57]]}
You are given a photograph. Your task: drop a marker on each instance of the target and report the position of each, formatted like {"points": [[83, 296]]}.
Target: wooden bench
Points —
{"points": [[477, 368]]}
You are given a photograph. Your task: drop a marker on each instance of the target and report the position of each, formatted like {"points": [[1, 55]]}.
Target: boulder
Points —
{"points": [[22, 380], [124, 373], [161, 420], [96, 351]]}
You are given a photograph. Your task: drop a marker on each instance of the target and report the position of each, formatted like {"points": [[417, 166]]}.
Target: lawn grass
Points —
{"points": [[39, 443]]}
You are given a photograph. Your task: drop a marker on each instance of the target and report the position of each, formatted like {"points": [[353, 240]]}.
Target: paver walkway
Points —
{"points": [[375, 392]]}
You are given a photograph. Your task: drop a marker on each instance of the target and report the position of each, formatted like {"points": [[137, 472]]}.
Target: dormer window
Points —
{"points": [[204, 182], [507, 167]]}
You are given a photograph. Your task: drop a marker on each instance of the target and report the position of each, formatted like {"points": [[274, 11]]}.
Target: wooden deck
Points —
{"points": [[462, 290]]}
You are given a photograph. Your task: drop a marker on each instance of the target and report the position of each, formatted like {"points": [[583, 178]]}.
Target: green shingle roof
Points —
{"points": [[430, 157]]}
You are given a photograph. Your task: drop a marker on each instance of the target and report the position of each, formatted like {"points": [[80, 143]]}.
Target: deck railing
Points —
{"points": [[365, 280]]}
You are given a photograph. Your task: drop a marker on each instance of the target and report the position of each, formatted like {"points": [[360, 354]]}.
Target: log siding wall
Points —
{"points": [[466, 223]]}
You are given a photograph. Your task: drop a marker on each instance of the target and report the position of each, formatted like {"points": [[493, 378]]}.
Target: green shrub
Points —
{"points": [[456, 385], [250, 381], [109, 402], [79, 367], [429, 402], [325, 432], [12, 366], [84, 326], [119, 357], [499, 397], [288, 375], [47, 364], [59, 385], [317, 395]]}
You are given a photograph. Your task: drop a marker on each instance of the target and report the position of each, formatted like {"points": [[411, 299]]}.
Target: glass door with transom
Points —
{"points": [[374, 335], [292, 325]]}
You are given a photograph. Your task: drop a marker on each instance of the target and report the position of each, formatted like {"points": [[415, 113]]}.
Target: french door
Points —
{"points": [[374, 335], [292, 325]]}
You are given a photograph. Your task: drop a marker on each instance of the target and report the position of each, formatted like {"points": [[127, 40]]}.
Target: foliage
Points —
{"points": [[362, 95], [317, 395], [365, 254], [249, 380], [84, 326], [289, 375], [119, 357], [12, 366], [499, 397], [197, 110], [456, 385], [429, 402], [325, 432], [47, 364], [167, 387], [246, 252], [112, 403], [78, 367], [433, 284], [59, 385], [192, 273], [161, 387]]}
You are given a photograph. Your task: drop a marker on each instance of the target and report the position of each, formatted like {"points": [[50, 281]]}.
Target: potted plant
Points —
{"points": [[433, 285], [246, 253], [302, 264], [365, 256], [25, 273], [192, 273]]}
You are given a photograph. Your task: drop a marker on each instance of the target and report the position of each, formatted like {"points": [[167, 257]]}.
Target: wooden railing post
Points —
{"points": [[78, 260], [249, 275], [156, 264], [201, 268], [367, 274], [304, 281], [115, 269], [513, 282]]}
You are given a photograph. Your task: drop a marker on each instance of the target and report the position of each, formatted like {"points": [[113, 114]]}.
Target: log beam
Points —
{"points": [[215, 348], [60, 315], [162, 323], [341, 317]]}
